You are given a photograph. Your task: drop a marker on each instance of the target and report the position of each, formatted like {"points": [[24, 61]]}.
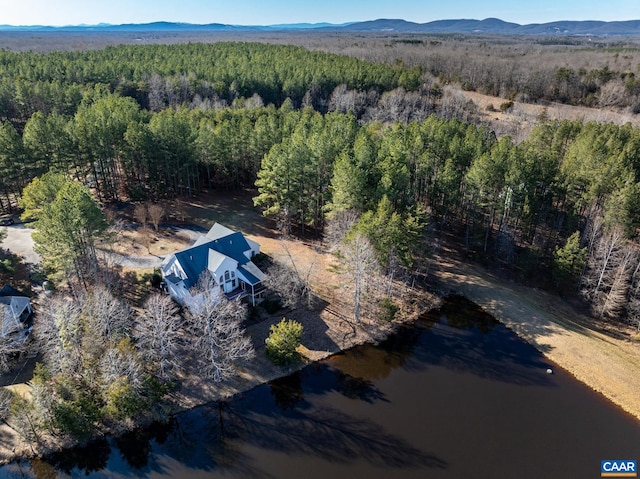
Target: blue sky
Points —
{"points": [[268, 12]]}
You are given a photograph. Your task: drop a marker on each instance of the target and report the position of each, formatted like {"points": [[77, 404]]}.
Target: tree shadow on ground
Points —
{"points": [[216, 437], [462, 337]]}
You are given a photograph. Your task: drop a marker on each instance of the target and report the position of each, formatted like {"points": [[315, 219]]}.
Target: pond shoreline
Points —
{"points": [[337, 334], [607, 364], [526, 311]]}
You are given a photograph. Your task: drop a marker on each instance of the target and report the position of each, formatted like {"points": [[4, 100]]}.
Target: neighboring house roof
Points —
{"points": [[7, 290], [12, 307]]}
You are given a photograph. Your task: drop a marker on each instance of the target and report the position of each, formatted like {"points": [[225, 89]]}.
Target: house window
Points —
{"points": [[226, 276], [233, 283]]}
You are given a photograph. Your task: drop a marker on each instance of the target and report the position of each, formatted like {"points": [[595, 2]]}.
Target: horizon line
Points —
{"points": [[309, 24]]}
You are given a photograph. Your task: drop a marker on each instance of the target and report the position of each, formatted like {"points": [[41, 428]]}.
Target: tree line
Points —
{"points": [[594, 72], [513, 202], [517, 205], [157, 76]]}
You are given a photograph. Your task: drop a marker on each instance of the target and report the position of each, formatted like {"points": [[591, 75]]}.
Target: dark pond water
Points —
{"points": [[458, 396]]}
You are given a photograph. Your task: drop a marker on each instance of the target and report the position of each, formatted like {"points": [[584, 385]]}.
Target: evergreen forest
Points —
{"points": [[323, 135]]}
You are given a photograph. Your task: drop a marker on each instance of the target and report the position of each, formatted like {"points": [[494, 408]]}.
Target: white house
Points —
{"points": [[226, 255], [15, 309]]}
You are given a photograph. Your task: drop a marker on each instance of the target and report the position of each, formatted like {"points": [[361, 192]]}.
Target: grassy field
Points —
{"points": [[607, 360]]}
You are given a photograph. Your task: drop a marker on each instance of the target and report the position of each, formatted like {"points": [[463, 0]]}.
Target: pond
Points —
{"points": [[456, 396]]}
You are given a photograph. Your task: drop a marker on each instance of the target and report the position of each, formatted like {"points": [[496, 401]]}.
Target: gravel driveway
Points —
{"points": [[19, 242]]}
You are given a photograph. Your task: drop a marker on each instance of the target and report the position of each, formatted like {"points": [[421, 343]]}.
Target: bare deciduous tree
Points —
{"points": [[291, 280], [107, 315], [145, 235], [363, 265], [157, 92], [6, 398], [605, 281], [70, 331], [338, 226], [344, 100], [633, 305], [215, 326], [8, 349], [158, 333], [156, 213], [254, 102], [140, 213], [58, 332], [121, 362], [616, 298], [285, 281]]}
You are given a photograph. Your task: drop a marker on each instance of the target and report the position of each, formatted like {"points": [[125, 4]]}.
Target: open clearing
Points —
{"points": [[522, 117], [606, 361]]}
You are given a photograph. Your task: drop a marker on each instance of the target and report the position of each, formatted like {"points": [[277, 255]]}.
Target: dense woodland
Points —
{"points": [[321, 134], [374, 155], [592, 71]]}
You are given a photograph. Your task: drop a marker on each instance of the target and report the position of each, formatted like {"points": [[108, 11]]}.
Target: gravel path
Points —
{"points": [[19, 242], [150, 262]]}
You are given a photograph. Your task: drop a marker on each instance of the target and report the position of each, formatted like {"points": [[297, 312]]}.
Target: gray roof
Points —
{"points": [[218, 231], [225, 242], [251, 274]]}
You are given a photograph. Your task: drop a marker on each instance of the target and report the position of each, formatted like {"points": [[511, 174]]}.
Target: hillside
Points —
{"points": [[467, 26]]}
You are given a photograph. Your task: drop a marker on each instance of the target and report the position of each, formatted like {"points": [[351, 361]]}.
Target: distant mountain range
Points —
{"points": [[487, 26]]}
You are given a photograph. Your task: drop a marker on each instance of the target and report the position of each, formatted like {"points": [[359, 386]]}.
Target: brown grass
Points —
{"points": [[606, 361], [133, 242], [522, 117]]}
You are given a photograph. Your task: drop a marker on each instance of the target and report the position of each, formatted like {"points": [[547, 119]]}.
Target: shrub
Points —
{"points": [[506, 106], [122, 400], [284, 338], [156, 278], [388, 309], [271, 305], [7, 266]]}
